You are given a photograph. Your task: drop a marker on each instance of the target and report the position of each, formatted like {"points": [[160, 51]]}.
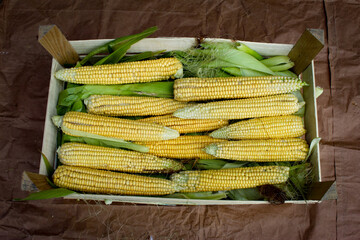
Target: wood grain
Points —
{"points": [[52, 39], [305, 50]]}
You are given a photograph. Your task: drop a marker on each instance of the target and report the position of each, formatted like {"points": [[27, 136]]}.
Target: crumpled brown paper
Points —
{"points": [[24, 81]]}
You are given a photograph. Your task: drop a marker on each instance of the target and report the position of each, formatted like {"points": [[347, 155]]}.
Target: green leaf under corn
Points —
{"points": [[246, 194], [49, 168], [47, 194], [71, 96], [282, 67], [117, 43], [100, 142], [198, 195], [243, 72]]}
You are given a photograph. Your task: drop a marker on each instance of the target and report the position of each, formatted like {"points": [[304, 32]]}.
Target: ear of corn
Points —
{"points": [[120, 73], [88, 125], [183, 147], [131, 106], [100, 181], [228, 179], [187, 125], [263, 128], [290, 149], [200, 89], [276, 105], [84, 155]]}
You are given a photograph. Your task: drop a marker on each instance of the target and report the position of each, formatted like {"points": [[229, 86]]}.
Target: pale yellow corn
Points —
{"points": [[277, 105], [131, 106], [228, 179], [271, 150], [263, 128], [121, 73], [125, 129], [183, 147], [84, 155], [187, 125], [200, 89], [100, 181]]}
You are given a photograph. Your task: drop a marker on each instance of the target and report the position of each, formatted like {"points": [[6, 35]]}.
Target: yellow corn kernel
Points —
{"points": [[120, 73], [263, 128], [100, 181], [271, 150], [200, 89], [187, 125], [84, 155], [131, 106], [277, 105], [228, 179]]}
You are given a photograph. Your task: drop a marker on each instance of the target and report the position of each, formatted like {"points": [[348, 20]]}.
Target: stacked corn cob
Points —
{"points": [[270, 135]]}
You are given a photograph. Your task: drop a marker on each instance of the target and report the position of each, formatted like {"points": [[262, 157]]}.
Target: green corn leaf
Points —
{"points": [[246, 194], [246, 49], [49, 168], [198, 195], [71, 96], [314, 143], [318, 91], [277, 60], [286, 73], [235, 58], [141, 56], [301, 111], [117, 43], [104, 142], [47, 194], [282, 67]]}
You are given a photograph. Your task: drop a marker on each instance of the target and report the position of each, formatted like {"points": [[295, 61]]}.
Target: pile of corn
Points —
{"points": [[265, 131]]}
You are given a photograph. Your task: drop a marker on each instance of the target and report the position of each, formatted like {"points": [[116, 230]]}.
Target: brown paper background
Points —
{"points": [[24, 81]]}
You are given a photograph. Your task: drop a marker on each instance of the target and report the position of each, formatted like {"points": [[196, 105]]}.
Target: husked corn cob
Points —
{"points": [[228, 179], [199, 89], [290, 149], [183, 147], [263, 128], [101, 181], [120, 73], [131, 106], [84, 155], [276, 105], [74, 123], [187, 125]]}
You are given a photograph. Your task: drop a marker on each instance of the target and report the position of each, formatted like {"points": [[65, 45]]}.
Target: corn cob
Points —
{"points": [[78, 123], [228, 179], [199, 89], [187, 125], [183, 147], [131, 106], [263, 128], [120, 73], [84, 155], [290, 149], [101, 181], [276, 105]]}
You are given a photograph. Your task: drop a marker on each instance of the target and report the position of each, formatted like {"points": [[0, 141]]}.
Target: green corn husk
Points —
{"points": [[117, 48], [141, 56], [70, 99]]}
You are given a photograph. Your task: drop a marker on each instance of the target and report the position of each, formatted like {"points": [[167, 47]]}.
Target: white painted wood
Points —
{"points": [[154, 44]]}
